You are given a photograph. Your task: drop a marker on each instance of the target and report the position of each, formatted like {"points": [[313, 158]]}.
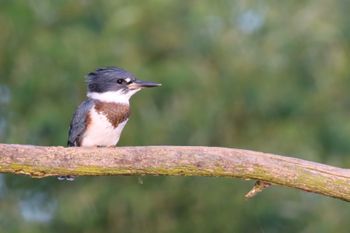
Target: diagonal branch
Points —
{"points": [[39, 161]]}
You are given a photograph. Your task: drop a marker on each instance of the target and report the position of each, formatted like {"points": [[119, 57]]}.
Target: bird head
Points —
{"points": [[114, 84]]}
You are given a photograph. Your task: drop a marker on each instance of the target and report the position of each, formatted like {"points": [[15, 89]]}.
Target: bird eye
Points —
{"points": [[120, 81]]}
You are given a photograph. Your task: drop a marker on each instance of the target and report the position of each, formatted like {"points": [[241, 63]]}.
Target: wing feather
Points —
{"points": [[78, 123]]}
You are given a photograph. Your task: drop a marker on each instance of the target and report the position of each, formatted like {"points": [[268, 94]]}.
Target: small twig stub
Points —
{"points": [[258, 187]]}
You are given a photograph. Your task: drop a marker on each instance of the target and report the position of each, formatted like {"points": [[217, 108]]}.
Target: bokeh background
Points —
{"points": [[271, 76]]}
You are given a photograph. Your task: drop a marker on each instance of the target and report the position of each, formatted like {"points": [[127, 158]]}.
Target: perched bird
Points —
{"points": [[100, 119]]}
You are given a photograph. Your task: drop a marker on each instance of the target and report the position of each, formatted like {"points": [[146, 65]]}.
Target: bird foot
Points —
{"points": [[68, 178]]}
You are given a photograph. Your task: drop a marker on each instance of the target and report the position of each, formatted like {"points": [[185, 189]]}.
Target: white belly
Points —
{"points": [[101, 132]]}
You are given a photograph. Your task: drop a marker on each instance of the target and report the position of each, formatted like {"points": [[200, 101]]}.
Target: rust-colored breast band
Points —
{"points": [[115, 113]]}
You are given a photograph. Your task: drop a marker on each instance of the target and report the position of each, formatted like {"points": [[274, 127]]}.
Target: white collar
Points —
{"points": [[112, 96]]}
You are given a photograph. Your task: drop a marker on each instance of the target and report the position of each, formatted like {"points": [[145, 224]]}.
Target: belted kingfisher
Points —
{"points": [[100, 119]]}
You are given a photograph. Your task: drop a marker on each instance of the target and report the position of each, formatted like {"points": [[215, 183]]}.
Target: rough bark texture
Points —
{"points": [[38, 161]]}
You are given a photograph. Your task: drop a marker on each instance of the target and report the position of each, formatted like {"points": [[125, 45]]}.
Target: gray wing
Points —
{"points": [[78, 123]]}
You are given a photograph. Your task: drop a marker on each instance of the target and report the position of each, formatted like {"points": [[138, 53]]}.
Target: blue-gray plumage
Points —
{"points": [[100, 119], [78, 124], [104, 79]]}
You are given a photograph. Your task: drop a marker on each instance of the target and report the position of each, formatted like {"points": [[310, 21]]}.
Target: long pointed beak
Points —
{"points": [[141, 84]]}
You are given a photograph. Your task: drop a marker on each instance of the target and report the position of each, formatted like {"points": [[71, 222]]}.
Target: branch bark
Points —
{"points": [[39, 161]]}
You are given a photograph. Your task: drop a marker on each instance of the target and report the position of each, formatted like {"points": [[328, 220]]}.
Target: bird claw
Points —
{"points": [[68, 178]]}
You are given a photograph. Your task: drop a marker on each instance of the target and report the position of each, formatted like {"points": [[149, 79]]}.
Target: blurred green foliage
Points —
{"points": [[265, 75]]}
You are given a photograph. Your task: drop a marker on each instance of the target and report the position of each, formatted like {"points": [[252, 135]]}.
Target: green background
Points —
{"points": [[271, 76]]}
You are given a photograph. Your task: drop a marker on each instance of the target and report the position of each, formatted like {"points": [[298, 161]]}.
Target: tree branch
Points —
{"points": [[38, 161]]}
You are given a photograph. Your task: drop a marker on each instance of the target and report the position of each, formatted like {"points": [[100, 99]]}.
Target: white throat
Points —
{"points": [[113, 96]]}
